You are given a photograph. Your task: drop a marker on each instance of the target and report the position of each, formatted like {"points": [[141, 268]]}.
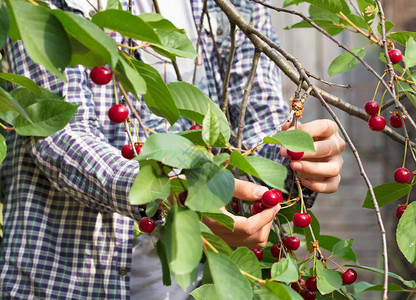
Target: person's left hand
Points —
{"points": [[320, 171]]}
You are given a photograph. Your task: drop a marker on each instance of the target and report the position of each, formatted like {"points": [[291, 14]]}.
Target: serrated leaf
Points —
{"points": [[406, 233], [246, 261], [130, 77], [209, 187], [345, 62], [222, 218], [410, 54], [272, 173], [173, 44], [364, 286], [3, 148], [388, 25], [285, 270], [43, 36], [401, 37], [333, 6], [183, 240], [148, 186], [22, 81], [216, 242], [4, 23], [7, 103], [328, 26], [89, 35], [386, 193], [327, 280], [205, 292], [327, 242], [275, 291], [210, 128], [113, 4], [239, 161], [229, 282], [295, 140], [161, 252], [48, 116], [341, 248]]}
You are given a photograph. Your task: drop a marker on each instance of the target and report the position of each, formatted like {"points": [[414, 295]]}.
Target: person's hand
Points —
{"points": [[320, 171], [253, 231]]}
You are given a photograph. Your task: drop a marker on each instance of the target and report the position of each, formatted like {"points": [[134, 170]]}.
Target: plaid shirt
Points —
{"points": [[68, 220]]}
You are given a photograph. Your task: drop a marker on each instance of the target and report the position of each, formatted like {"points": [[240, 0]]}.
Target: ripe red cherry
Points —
{"points": [[234, 206], [275, 250], [292, 243], [349, 276], [377, 123], [400, 210], [294, 155], [138, 149], [371, 108], [101, 75], [127, 151], [147, 225], [118, 113], [402, 175], [182, 197], [395, 121], [195, 127], [395, 56], [298, 284], [308, 295], [271, 198], [258, 252], [311, 284], [257, 207], [301, 220]]}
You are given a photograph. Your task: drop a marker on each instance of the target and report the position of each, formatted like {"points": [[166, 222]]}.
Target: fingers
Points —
{"points": [[248, 191], [322, 185], [318, 168], [320, 129]]}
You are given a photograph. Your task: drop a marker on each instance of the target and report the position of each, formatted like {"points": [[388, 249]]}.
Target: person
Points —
{"points": [[68, 222]]}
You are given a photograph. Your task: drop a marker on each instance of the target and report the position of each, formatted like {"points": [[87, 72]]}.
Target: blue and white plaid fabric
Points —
{"points": [[68, 221]]}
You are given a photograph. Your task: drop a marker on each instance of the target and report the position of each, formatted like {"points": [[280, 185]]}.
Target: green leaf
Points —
{"points": [[7, 103], [157, 97], [130, 77], [43, 36], [246, 261], [152, 207], [341, 248], [161, 252], [327, 280], [3, 148], [328, 242], [48, 116], [401, 37], [4, 23], [295, 140], [185, 280], [127, 24], [333, 6], [172, 150], [217, 243], [276, 291], [389, 25], [239, 161], [406, 233], [205, 292], [328, 26], [222, 218], [410, 55], [89, 35], [174, 44], [193, 104], [149, 185], [113, 4], [195, 136], [210, 128], [183, 240], [272, 173], [285, 270], [364, 286], [386, 193], [345, 62], [22, 81], [229, 282], [209, 187]]}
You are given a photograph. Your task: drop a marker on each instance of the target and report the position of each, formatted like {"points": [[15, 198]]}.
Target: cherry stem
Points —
{"points": [[288, 223], [405, 151], [378, 84], [5, 127], [115, 89], [381, 102], [338, 266]]}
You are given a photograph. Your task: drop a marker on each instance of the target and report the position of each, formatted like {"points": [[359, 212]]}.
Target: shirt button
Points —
{"points": [[122, 271]]}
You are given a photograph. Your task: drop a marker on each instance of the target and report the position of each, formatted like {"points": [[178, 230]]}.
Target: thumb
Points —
{"points": [[248, 191]]}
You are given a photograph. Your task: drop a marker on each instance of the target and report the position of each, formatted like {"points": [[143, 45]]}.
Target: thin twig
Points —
{"points": [[224, 104]]}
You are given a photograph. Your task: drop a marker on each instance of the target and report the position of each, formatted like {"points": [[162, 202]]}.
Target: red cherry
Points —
{"points": [[294, 155], [400, 210], [402, 175], [258, 252], [377, 123], [101, 75], [127, 151], [311, 284], [271, 198], [138, 149], [118, 113], [292, 243], [195, 127], [2, 53], [395, 121], [147, 225], [371, 108], [349, 276], [257, 207], [395, 56], [308, 295], [298, 285], [234, 206], [275, 250], [301, 220]]}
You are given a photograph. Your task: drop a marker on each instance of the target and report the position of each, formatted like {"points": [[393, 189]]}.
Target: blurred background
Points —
{"points": [[341, 214]]}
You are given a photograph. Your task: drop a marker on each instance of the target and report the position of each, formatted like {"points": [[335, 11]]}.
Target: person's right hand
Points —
{"points": [[253, 231]]}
